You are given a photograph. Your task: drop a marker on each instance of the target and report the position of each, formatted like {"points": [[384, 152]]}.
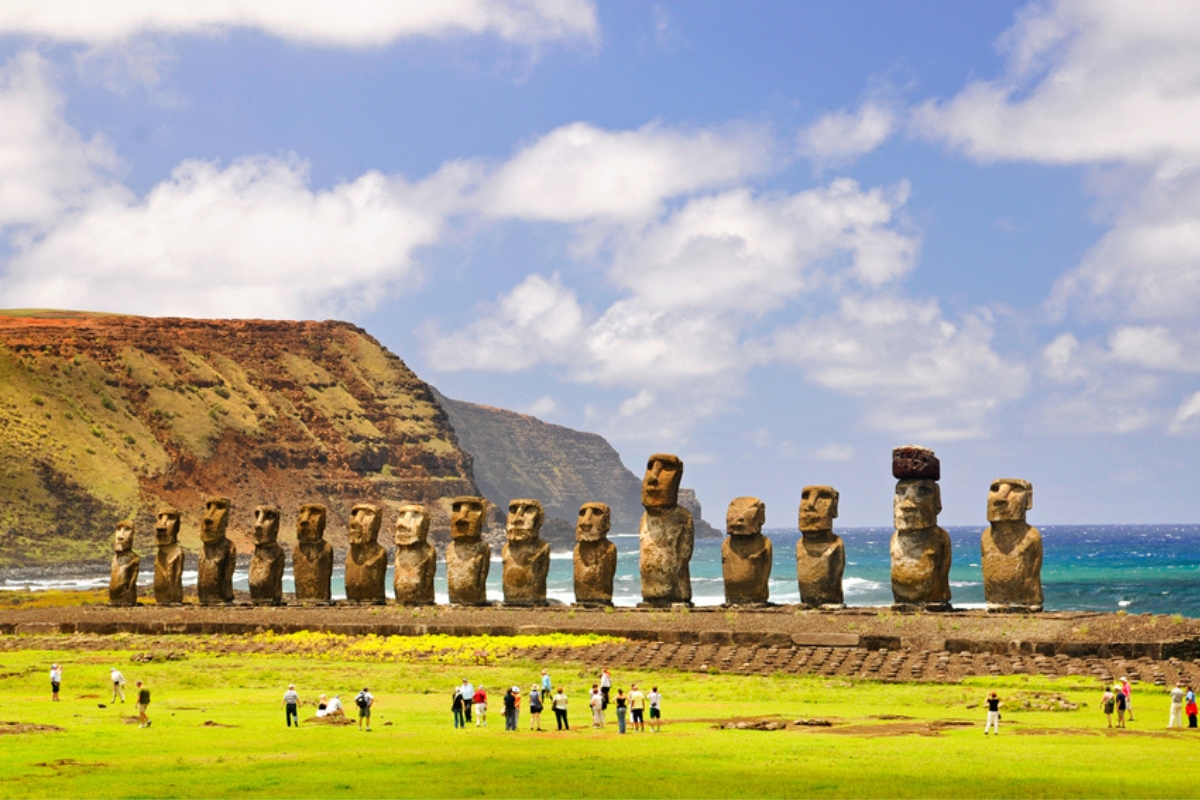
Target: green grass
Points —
{"points": [[414, 751]]}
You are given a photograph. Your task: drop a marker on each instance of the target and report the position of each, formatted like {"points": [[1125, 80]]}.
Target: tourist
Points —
{"points": [[1109, 701], [322, 704], [479, 701], [118, 684], [1190, 709], [1175, 718], [143, 703], [468, 695], [621, 701], [456, 706], [1121, 701], [655, 700], [546, 685], [291, 702], [597, 704], [560, 710], [516, 706], [1127, 690], [510, 705], [55, 681], [605, 685], [637, 708], [364, 701], [334, 708], [535, 708], [993, 715]]}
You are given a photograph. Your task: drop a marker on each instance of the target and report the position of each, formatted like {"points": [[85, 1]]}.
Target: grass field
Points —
{"points": [[218, 730]]}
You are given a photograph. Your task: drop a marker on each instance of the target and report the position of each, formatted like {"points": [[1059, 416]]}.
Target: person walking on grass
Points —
{"points": [[468, 696], [597, 704], [143, 703], [1121, 701], [1109, 701], [364, 701], [547, 687], [118, 684], [479, 701], [55, 681], [637, 708], [1127, 690], [510, 705], [621, 704], [535, 708], [1189, 699], [655, 701], [1175, 718], [456, 706], [291, 702], [605, 685], [559, 704], [993, 715]]}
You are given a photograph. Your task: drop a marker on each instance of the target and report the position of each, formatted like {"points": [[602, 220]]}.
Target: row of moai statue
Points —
{"points": [[920, 550]]}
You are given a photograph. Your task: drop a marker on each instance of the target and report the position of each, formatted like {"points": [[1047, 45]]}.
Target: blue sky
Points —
{"points": [[778, 239]]}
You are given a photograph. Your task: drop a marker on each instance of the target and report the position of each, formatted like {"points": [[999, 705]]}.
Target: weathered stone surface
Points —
{"points": [[666, 534], [168, 561], [820, 553], [911, 461], [920, 549], [218, 555], [416, 558], [269, 559], [312, 557], [122, 582], [595, 556], [746, 555], [1011, 549], [366, 563], [525, 556], [468, 557]]}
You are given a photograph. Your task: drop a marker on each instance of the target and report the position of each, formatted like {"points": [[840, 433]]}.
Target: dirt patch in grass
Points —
{"points": [[69, 762], [208, 723], [27, 727], [329, 721]]}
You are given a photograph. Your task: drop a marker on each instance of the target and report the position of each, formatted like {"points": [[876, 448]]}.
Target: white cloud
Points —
{"points": [[348, 23], [580, 173], [840, 137], [1188, 414], [541, 407], [835, 452], [1153, 347]]}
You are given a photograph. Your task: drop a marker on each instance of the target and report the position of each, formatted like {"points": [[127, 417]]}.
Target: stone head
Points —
{"points": [[594, 522], [365, 520], [660, 485], [216, 519], [917, 503], [466, 517], [412, 526], [1009, 499], [818, 508], [266, 524], [745, 516], [310, 527], [524, 520], [123, 537], [166, 527]]}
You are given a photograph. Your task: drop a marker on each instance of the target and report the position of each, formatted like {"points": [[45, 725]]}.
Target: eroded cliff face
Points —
{"points": [[104, 418]]}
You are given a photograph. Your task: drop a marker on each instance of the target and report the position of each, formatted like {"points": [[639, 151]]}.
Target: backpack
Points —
{"points": [[361, 700]]}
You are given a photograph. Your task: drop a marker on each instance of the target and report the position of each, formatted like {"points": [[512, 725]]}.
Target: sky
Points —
{"points": [[775, 238]]}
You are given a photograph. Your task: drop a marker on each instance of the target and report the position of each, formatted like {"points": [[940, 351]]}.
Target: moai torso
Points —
{"points": [[920, 550], [312, 557], [366, 563], [218, 556], [468, 557], [1011, 549], [595, 556], [666, 535], [268, 562], [122, 583], [416, 558], [820, 554], [746, 554], [168, 560], [525, 555]]}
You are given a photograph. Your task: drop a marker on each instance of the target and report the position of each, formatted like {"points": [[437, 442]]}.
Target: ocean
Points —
{"points": [[1138, 568]]}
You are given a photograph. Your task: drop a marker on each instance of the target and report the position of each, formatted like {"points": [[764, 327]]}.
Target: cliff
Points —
{"points": [[107, 417]]}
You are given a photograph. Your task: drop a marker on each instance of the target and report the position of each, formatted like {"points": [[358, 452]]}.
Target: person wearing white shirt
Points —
{"points": [[655, 700], [118, 682]]}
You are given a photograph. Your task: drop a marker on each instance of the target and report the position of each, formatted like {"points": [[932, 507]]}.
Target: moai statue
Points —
{"points": [[312, 557], [525, 555], [1012, 549], [168, 562], [416, 558], [595, 556], [920, 549], [666, 535], [746, 554], [218, 556], [820, 554], [468, 556], [366, 563], [268, 561], [122, 582]]}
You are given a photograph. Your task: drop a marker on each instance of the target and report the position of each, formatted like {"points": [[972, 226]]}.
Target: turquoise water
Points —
{"points": [[1139, 568]]}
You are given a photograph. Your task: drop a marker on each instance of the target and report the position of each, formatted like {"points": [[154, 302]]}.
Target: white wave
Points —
{"points": [[860, 586], [1123, 603], [968, 605], [568, 556], [964, 584]]}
